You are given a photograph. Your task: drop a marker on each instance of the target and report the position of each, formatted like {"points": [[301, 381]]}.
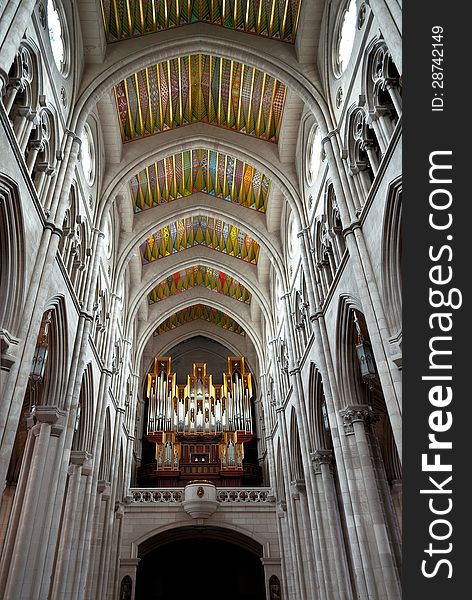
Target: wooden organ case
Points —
{"points": [[200, 429]]}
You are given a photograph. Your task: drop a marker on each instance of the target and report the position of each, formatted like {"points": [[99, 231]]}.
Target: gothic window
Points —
{"points": [[57, 36], [383, 93], [363, 153], [344, 37], [20, 96], [87, 154], [41, 152], [11, 252]]}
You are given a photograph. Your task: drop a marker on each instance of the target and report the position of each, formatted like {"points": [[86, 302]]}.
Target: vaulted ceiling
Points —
{"points": [[276, 19], [200, 170], [200, 88], [226, 97]]}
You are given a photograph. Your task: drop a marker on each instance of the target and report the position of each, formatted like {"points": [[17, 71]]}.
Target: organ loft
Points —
{"points": [[200, 428]]}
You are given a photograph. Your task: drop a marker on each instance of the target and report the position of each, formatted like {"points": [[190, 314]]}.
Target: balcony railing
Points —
{"points": [[256, 495]]}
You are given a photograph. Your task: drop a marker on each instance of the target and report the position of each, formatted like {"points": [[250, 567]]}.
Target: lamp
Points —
{"points": [[365, 356], [41, 350]]}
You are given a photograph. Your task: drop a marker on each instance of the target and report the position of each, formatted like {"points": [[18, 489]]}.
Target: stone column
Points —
{"points": [[388, 13], [357, 420], [70, 532], [24, 571], [272, 566], [324, 465], [128, 567]]}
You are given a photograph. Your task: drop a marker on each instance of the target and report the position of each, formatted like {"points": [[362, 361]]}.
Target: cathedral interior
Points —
{"points": [[200, 299]]}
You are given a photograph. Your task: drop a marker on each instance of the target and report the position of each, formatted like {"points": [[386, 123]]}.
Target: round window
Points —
{"points": [[314, 155], [345, 37], [87, 153], [57, 36]]}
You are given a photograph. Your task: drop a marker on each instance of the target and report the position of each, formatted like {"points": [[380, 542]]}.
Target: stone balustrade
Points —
{"points": [[247, 495]]}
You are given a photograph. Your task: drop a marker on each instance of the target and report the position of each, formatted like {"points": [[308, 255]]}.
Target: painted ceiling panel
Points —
{"points": [[200, 88], [200, 311], [199, 231], [200, 170], [277, 19], [205, 276]]}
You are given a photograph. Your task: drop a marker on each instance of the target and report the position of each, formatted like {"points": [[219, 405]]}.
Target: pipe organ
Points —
{"points": [[199, 428]]}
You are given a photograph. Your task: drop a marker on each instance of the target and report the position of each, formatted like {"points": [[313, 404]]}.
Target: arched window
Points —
{"points": [[87, 153], [344, 37], [314, 153], [57, 36]]}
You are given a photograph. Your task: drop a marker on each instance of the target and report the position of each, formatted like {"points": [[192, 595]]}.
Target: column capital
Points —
{"points": [[52, 415], [322, 456], [355, 413]]}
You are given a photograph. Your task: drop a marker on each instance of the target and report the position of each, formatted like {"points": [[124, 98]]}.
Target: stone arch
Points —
{"points": [[217, 530], [212, 300], [83, 430], [392, 256], [364, 390], [192, 41], [12, 267], [382, 85], [320, 435], [52, 335], [23, 90]]}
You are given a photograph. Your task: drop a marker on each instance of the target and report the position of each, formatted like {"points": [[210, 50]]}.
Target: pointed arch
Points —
{"points": [[392, 256], [12, 263], [83, 429]]}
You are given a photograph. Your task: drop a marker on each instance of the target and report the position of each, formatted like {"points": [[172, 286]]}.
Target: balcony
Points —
{"points": [[224, 495]]}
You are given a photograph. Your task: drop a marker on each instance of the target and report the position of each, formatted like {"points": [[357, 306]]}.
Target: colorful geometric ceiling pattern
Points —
{"points": [[200, 231], [131, 18], [200, 311], [200, 170], [195, 276], [200, 88]]}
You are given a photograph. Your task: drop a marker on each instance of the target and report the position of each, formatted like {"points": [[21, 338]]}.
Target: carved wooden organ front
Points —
{"points": [[199, 428]]}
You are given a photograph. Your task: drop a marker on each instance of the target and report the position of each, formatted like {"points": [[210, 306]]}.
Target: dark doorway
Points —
{"points": [[200, 569]]}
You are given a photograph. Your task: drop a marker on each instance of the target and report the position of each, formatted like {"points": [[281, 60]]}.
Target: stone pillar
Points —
{"points": [[128, 568], [357, 421], [272, 566], [23, 572], [323, 463], [71, 533], [388, 13]]}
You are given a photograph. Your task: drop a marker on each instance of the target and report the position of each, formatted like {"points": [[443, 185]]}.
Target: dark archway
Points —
{"points": [[207, 563]]}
